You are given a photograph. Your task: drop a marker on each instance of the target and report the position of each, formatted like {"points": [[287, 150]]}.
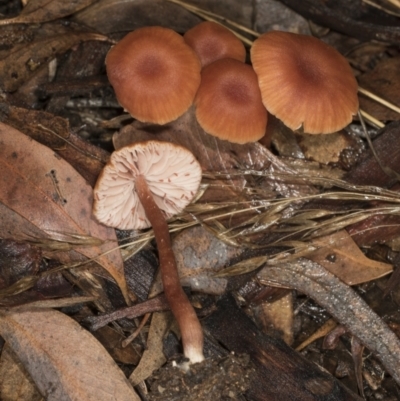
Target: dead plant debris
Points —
{"points": [[297, 233]]}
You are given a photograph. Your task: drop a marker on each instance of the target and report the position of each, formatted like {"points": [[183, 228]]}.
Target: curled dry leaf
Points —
{"points": [[46, 10], [22, 61], [343, 303], [43, 197], [65, 361]]}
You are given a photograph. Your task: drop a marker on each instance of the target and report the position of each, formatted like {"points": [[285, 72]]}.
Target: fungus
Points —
{"points": [[228, 102], [304, 82], [142, 185], [154, 73], [212, 41]]}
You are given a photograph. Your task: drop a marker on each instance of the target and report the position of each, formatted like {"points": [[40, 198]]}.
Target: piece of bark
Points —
{"points": [[281, 373], [349, 17]]}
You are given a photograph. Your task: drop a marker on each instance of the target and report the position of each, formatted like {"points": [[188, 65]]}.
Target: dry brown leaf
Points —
{"points": [[340, 255], [55, 133], [46, 10], [153, 357], [65, 361], [327, 149], [279, 315], [15, 383], [22, 61], [130, 15], [112, 341], [43, 197]]}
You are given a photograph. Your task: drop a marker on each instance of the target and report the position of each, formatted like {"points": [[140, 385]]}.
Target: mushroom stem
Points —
{"points": [[182, 309]]}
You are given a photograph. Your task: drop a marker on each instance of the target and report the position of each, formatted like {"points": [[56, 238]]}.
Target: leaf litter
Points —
{"points": [[53, 209], [251, 199], [38, 337], [37, 11]]}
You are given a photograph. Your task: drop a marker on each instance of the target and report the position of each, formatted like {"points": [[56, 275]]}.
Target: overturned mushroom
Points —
{"points": [[142, 185]]}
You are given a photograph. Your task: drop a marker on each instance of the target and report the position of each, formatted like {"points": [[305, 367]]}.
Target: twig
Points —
{"points": [[156, 304], [343, 303]]}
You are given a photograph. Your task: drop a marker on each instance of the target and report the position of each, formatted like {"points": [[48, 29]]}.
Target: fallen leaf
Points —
{"points": [[153, 357], [278, 317], [22, 61], [330, 148], [43, 197], [65, 361], [15, 383], [130, 15], [112, 341], [37, 11], [55, 133], [340, 255]]}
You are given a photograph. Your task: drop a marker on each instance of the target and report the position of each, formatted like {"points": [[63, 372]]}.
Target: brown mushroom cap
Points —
{"points": [[172, 174], [304, 81], [228, 102], [154, 73], [212, 41]]}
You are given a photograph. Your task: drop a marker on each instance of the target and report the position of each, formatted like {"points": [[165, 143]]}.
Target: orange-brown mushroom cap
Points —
{"points": [[228, 102], [304, 82], [212, 41], [154, 73]]}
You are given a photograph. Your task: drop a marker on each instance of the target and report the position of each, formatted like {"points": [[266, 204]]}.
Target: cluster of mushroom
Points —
{"points": [[157, 75]]}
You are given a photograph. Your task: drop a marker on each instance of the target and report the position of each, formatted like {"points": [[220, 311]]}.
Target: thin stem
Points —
{"points": [[182, 309]]}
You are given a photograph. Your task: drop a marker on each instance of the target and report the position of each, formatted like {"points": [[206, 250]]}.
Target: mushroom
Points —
{"points": [[212, 41], [304, 82], [228, 102], [154, 73], [142, 185]]}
